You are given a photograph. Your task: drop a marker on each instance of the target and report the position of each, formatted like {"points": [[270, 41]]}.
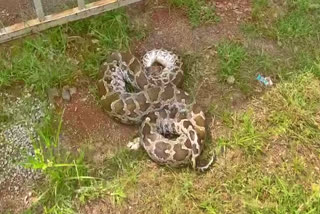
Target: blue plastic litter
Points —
{"points": [[265, 80]]}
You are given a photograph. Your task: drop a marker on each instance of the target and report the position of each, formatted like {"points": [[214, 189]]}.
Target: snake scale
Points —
{"points": [[172, 126]]}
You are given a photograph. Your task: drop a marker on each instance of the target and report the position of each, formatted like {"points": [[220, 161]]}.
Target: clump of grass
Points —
{"points": [[231, 56], [67, 177], [111, 29], [246, 134], [265, 193], [289, 113], [296, 21], [41, 62], [173, 200], [293, 107], [192, 76], [297, 25], [199, 11], [53, 57]]}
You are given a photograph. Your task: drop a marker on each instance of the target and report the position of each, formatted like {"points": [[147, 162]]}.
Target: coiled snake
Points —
{"points": [[172, 127]]}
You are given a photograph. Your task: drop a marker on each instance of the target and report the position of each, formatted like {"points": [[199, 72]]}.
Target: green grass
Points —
{"points": [[41, 62], [301, 103], [297, 21], [199, 11], [66, 176], [192, 77], [246, 136], [231, 56], [262, 193], [69, 181], [288, 114], [54, 57]]}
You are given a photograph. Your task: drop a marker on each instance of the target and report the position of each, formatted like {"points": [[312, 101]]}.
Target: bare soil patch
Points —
{"points": [[15, 11], [87, 126], [171, 29]]}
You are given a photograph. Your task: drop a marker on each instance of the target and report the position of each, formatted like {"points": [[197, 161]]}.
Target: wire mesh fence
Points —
{"points": [[22, 17]]}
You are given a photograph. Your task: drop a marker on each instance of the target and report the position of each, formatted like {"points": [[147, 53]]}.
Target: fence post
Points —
{"points": [[81, 4], [39, 9]]}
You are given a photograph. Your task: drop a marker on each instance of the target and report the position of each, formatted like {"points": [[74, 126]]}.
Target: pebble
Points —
{"points": [[95, 41], [52, 94], [73, 90], [231, 80], [66, 93]]}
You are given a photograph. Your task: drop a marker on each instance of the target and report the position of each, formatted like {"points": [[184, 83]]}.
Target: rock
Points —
{"points": [[73, 90], [52, 94], [231, 80], [95, 41], [66, 93]]}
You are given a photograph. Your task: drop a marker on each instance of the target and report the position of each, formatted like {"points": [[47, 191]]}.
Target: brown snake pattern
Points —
{"points": [[172, 127]]}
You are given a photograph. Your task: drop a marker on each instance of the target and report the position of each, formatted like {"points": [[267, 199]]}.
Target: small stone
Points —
{"points": [[231, 80], [52, 93], [73, 90], [66, 94], [95, 41]]}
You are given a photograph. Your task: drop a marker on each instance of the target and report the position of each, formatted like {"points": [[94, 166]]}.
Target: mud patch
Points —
{"points": [[87, 127], [170, 27]]}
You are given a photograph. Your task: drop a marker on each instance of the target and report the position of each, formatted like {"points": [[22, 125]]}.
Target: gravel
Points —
{"points": [[17, 134]]}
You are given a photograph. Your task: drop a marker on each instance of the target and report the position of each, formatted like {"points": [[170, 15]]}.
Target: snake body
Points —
{"points": [[172, 127]]}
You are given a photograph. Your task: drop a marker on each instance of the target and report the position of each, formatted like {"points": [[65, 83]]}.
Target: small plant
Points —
{"points": [[199, 12], [111, 29], [231, 56], [245, 135], [67, 178], [192, 76]]}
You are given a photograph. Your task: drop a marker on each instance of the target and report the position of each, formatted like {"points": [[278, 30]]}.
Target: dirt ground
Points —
{"points": [[88, 128], [15, 11], [170, 28]]}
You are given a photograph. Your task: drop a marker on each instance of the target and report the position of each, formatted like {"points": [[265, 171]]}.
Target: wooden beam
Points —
{"points": [[35, 25], [81, 4], [39, 9]]}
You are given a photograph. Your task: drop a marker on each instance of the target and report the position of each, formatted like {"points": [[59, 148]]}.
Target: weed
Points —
{"points": [[231, 56], [110, 29], [199, 12], [66, 177], [296, 25], [192, 76], [258, 7], [245, 134]]}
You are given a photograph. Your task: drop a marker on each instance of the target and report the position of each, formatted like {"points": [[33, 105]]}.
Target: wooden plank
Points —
{"points": [[39, 9], [33, 26], [81, 4]]}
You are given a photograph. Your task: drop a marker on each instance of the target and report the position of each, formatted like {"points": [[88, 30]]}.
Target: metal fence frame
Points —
{"points": [[43, 22]]}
